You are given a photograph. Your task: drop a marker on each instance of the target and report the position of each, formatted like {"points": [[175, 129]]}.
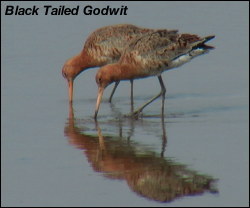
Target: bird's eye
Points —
{"points": [[64, 74], [100, 79]]}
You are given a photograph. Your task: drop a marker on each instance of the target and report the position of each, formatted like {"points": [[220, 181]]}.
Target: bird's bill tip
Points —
{"points": [[98, 100]]}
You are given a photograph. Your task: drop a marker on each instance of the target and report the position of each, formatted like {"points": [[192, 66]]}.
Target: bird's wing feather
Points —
{"points": [[158, 48], [109, 42]]}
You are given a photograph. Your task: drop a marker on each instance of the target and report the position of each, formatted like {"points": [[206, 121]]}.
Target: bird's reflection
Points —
{"points": [[147, 173]]}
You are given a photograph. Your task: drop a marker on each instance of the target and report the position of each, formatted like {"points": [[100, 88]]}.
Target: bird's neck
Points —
{"points": [[82, 61], [123, 72]]}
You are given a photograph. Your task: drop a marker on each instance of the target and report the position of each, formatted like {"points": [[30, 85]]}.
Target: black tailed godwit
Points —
{"points": [[150, 55], [104, 46]]}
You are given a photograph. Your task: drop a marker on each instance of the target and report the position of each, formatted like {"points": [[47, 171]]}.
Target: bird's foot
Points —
{"points": [[134, 114]]}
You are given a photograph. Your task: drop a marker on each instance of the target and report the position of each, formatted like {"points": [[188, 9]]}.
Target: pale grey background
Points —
{"points": [[210, 95]]}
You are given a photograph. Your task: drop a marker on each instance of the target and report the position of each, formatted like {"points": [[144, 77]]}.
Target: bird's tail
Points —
{"points": [[199, 47], [197, 42]]}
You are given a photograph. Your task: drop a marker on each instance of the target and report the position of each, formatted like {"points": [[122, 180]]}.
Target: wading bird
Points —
{"points": [[150, 55], [104, 46]]}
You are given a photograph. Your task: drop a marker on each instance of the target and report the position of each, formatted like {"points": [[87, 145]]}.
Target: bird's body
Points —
{"points": [[103, 46], [150, 55]]}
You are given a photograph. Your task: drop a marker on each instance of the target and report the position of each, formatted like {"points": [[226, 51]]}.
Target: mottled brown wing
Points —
{"points": [[157, 49], [108, 43], [152, 48]]}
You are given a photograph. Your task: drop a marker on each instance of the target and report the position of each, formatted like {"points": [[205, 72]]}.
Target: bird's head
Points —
{"points": [[105, 76], [70, 70]]}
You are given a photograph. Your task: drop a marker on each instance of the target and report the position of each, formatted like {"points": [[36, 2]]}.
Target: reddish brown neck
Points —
{"points": [[77, 64], [82, 60], [125, 72]]}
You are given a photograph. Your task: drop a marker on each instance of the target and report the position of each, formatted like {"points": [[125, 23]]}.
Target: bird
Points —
{"points": [[151, 55], [103, 46]]}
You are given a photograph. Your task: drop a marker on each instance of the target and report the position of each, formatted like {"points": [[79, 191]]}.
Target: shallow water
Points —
{"points": [[55, 154]]}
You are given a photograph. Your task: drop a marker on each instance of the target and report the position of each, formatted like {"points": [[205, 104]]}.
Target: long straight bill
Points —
{"points": [[98, 101], [70, 83]]}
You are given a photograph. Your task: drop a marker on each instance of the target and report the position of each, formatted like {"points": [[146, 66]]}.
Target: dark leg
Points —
{"points": [[162, 93], [132, 95], [164, 136], [113, 91]]}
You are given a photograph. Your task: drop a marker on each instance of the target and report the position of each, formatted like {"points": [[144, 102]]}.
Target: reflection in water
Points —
{"points": [[147, 173]]}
